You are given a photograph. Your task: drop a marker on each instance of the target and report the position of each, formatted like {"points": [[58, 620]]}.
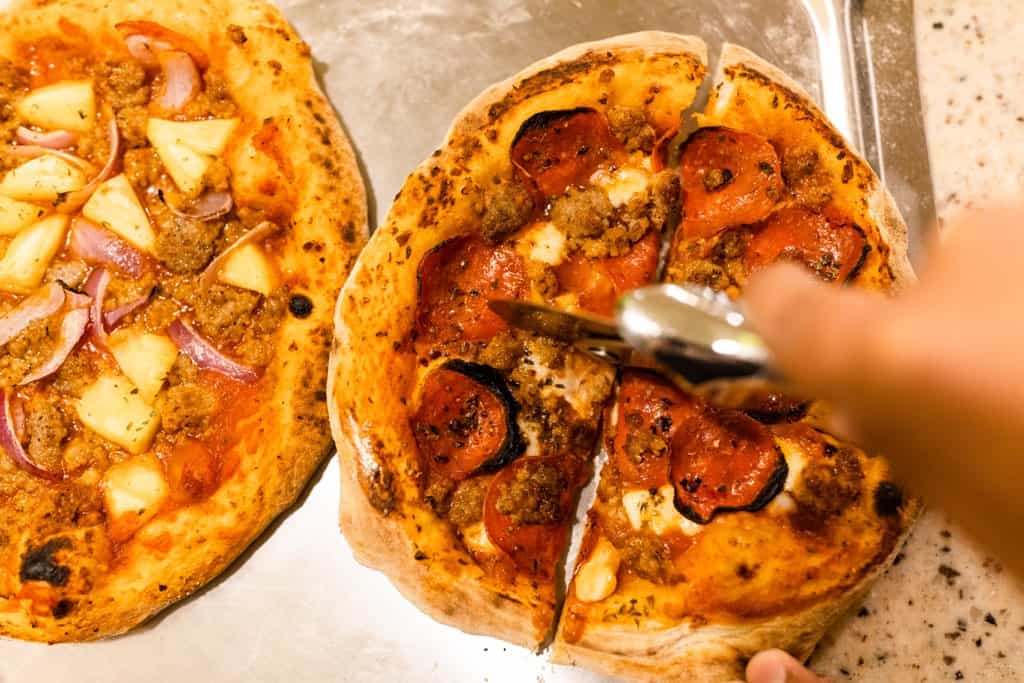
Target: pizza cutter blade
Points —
{"points": [[690, 331]]}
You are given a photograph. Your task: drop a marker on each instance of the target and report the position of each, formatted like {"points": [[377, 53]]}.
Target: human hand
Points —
{"points": [[933, 378], [775, 666]]}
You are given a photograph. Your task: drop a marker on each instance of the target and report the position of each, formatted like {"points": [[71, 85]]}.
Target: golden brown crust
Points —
{"points": [[270, 74], [421, 555]]}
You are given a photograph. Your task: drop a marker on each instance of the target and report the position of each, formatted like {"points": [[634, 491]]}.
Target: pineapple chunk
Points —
{"points": [[248, 267], [42, 179], [133, 493], [145, 358], [68, 105], [186, 147], [29, 254], [113, 408], [115, 206], [15, 215]]}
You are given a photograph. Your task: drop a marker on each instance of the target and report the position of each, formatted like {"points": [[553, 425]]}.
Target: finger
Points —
{"points": [[775, 666], [818, 333]]}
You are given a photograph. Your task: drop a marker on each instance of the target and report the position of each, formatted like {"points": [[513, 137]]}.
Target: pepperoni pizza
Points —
{"points": [[726, 519]]}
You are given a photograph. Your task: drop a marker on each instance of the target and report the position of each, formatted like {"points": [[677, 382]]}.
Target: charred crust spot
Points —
{"points": [[745, 571], [161, 587], [236, 34], [382, 493], [888, 499], [62, 608], [300, 305], [865, 250], [39, 563], [847, 172], [419, 556], [348, 233]]}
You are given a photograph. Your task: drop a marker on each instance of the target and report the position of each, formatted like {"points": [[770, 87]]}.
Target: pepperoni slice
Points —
{"points": [[828, 243], [466, 422], [724, 461], [456, 279], [729, 178], [598, 283], [562, 148], [527, 510], [650, 410]]}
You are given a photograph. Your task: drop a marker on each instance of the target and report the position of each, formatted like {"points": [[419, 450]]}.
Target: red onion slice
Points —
{"points": [[75, 200], [98, 245], [54, 139], [145, 49], [205, 355], [33, 151], [10, 443], [147, 39], [96, 287], [259, 232], [114, 316], [40, 304], [181, 80], [208, 207], [71, 330]]}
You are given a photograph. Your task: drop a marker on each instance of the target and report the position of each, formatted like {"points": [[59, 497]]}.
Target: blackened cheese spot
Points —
{"points": [[39, 564], [300, 305], [888, 499]]}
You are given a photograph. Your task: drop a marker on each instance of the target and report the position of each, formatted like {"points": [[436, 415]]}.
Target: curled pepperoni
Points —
{"points": [[456, 279], [598, 283], [828, 243], [466, 422], [649, 411], [527, 510], [729, 178], [724, 461], [562, 148]]}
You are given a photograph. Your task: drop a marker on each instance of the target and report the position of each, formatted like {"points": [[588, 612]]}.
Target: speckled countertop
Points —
{"points": [[946, 610]]}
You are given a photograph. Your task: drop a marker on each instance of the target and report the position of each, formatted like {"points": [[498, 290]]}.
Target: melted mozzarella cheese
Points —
{"points": [[622, 185], [574, 382], [475, 537], [796, 460], [544, 243], [597, 578], [657, 511]]}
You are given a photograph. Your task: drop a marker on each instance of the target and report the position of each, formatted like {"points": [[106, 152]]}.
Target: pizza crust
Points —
{"points": [[269, 75], [881, 207], [374, 318]]}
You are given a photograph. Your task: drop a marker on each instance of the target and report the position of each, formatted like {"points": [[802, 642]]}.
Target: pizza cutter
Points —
{"points": [[688, 330]]}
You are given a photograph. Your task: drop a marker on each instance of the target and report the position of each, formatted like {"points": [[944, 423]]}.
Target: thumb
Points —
{"points": [[819, 334], [775, 666]]}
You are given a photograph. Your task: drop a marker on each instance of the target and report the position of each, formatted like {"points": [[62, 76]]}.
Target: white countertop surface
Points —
{"points": [[945, 612]]}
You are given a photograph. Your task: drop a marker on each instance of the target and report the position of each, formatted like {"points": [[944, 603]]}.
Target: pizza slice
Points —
{"points": [[726, 519], [460, 479]]}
